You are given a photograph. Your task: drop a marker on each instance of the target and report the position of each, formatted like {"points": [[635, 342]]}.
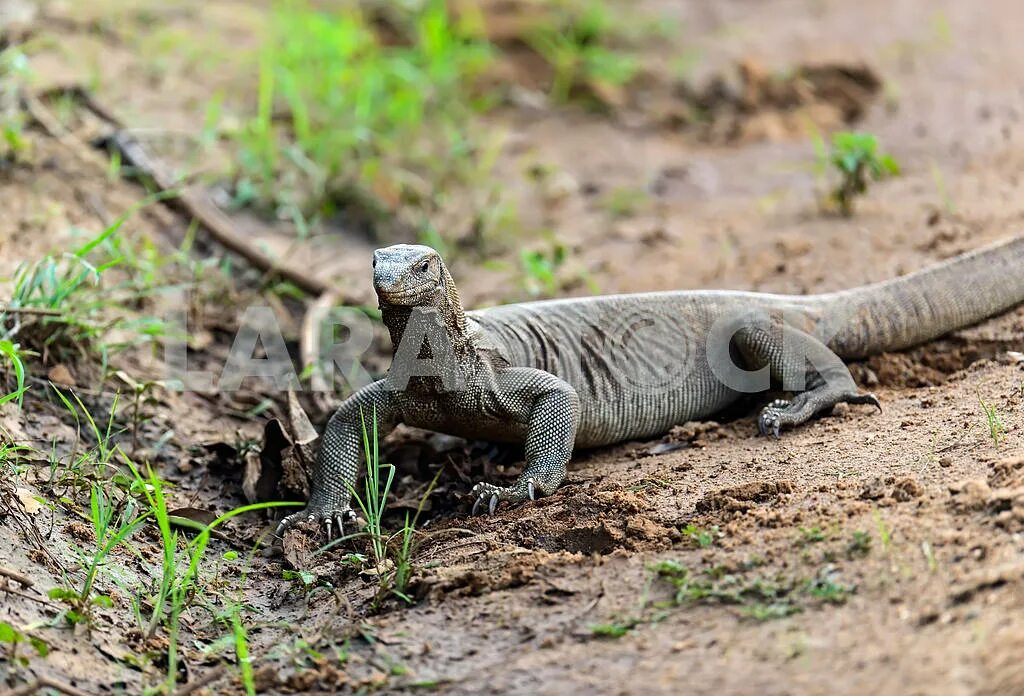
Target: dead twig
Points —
{"points": [[52, 126], [309, 346], [196, 203], [16, 577], [47, 683], [210, 677], [5, 589], [193, 202], [33, 311]]}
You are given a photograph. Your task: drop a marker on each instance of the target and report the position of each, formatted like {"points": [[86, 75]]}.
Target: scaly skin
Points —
{"points": [[586, 372]]}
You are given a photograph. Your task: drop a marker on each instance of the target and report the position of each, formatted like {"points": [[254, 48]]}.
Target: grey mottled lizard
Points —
{"points": [[585, 372]]}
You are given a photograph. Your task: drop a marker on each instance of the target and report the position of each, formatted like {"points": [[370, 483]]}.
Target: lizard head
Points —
{"points": [[408, 275]]}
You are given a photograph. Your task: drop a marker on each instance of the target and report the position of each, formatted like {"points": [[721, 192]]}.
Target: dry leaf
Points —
{"points": [[28, 501]]}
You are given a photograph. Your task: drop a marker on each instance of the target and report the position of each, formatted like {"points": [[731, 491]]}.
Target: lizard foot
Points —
{"points": [[332, 519], [782, 413], [770, 420], [491, 495]]}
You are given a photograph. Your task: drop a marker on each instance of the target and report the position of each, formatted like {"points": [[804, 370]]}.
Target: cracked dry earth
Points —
{"points": [[864, 553]]}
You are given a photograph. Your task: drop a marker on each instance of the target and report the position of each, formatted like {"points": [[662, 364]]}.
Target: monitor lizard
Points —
{"points": [[561, 374]]}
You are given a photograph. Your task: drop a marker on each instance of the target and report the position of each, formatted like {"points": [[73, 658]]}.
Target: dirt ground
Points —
{"points": [[863, 553]]}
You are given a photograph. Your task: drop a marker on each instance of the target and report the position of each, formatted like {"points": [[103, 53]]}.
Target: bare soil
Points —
{"points": [[864, 553]]}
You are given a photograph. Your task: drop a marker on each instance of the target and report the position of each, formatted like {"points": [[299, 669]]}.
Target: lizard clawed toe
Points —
{"points": [[486, 492], [523, 490], [332, 520], [770, 420]]}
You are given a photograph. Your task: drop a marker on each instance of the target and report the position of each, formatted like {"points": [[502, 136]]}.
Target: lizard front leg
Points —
{"points": [[550, 408], [341, 449]]}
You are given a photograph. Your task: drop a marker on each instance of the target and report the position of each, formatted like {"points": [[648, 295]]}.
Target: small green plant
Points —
{"points": [[810, 535], [14, 355], [112, 525], [860, 544], [406, 549], [857, 158], [14, 74], [827, 588], [242, 652], [929, 556], [345, 119], [375, 488], [625, 202], [12, 637], [767, 612], [541, 268], [392, 562], [65, 310], [583, 47], [545, 272], [884, 533], [703, 538], [180, 581], [996, 429], [614, 629]]}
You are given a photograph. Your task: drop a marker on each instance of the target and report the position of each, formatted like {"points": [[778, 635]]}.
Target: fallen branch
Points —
{"points": [[8, 590], [16, 576], [309, 346], [36, 311], [203, 681], [47, 683], [195, 203]]}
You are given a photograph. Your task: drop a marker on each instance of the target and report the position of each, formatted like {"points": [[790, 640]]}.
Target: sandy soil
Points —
{"points": [[864, 553]]}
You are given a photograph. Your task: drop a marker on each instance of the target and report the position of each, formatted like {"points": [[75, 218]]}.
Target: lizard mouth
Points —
{"points": [[407, 296]]}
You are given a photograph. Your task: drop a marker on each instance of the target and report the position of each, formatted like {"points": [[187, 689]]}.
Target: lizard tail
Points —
{"points": [[916, 308]]}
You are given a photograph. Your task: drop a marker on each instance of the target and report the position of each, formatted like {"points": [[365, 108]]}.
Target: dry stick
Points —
{"points": [[40, 311], [203, 681], [16, 577], [309, 346], [7, 589], [194, 203], [198, 205], [47, 683], [56, 130]]}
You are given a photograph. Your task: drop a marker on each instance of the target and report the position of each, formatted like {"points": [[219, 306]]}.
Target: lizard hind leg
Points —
{"points": [[793, 356], [783, 413]]}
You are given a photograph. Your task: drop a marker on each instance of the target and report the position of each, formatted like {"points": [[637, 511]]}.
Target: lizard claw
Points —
{"points": [[486, 493], [770, 420], [332, 519], [492, 495]]}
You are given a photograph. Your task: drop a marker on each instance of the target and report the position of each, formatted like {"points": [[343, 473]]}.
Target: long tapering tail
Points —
{"points": [[916, 308]]}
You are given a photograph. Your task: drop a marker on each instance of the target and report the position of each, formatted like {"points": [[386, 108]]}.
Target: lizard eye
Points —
{"points": [[425, 266]]}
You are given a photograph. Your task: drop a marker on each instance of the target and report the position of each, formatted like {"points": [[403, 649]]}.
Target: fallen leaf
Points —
{"points": [[28, 500], [60, 374]]}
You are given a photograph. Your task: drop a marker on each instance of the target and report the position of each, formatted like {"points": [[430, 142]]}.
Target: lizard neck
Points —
{"points": [[447, 307]]}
